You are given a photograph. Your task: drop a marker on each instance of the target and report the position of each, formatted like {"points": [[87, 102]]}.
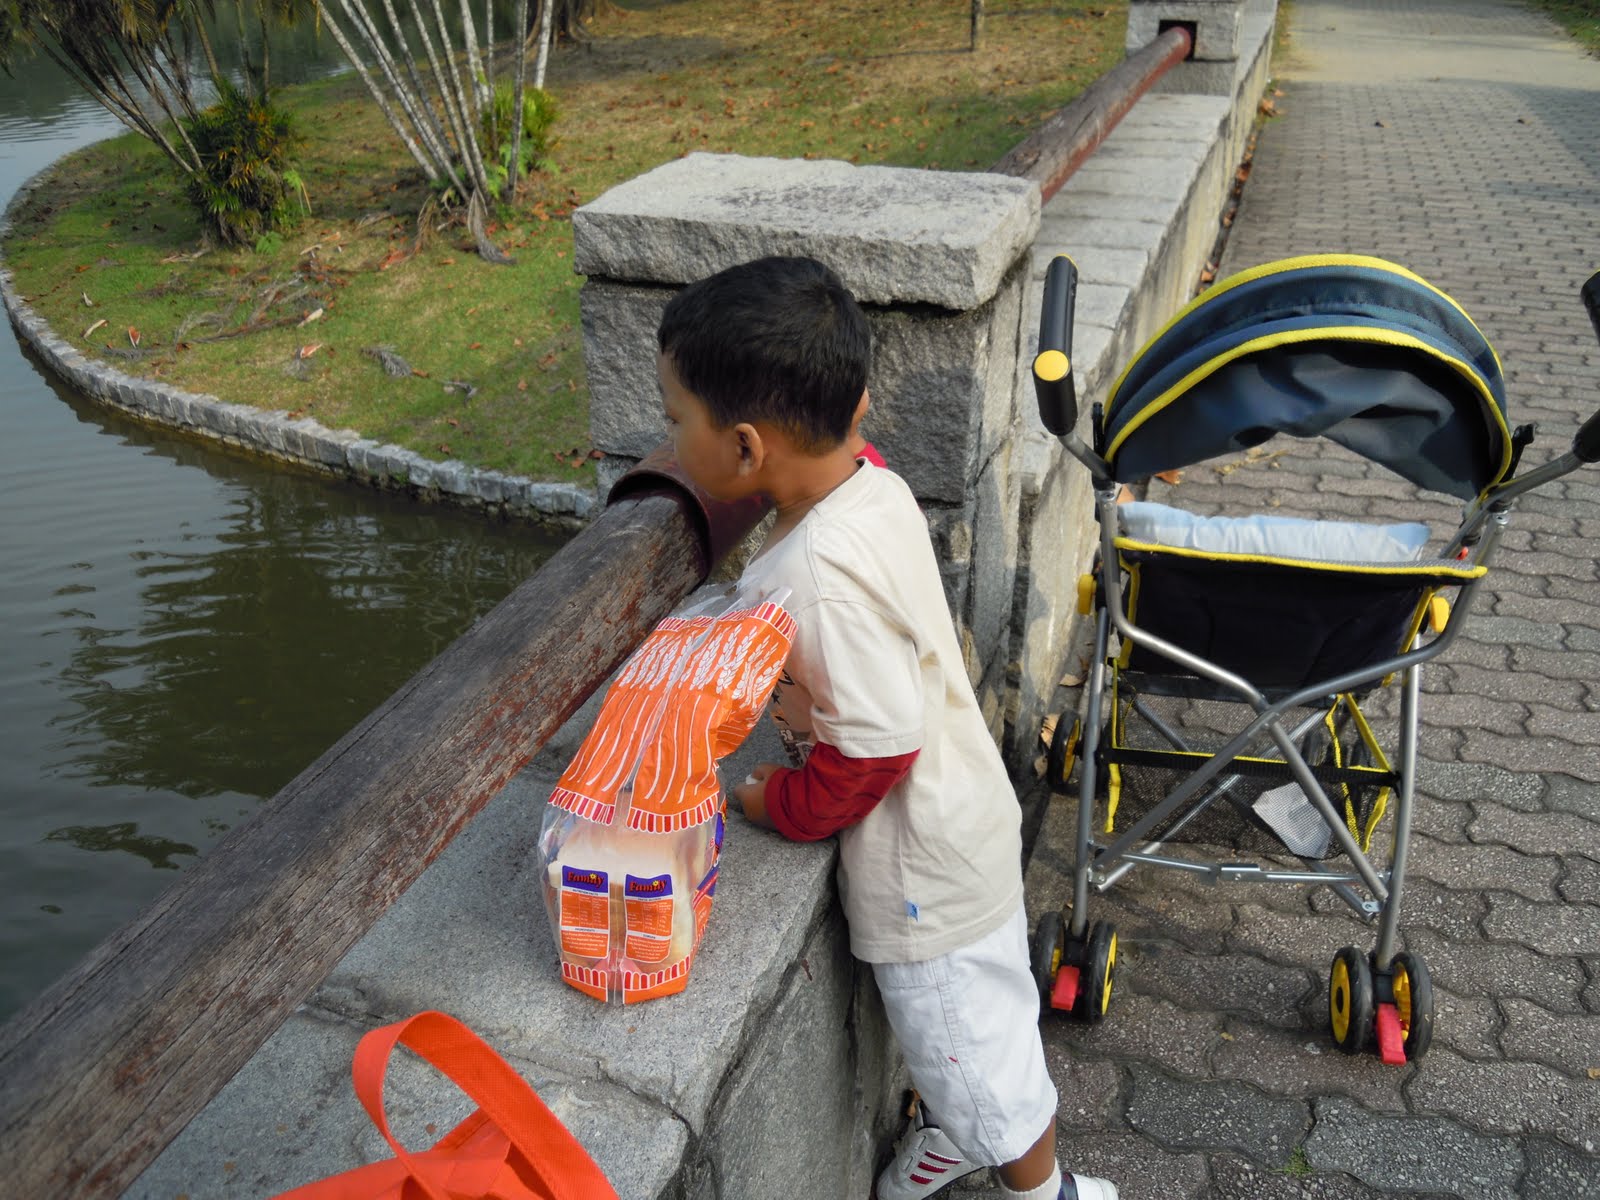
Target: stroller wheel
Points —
{"points": [[1063, 753], [1350, 1000], [1101, 963], [1413, 996], [1046, 954]]}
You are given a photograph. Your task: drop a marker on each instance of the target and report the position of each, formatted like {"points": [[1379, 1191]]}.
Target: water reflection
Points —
{"points": [[125, 835]]}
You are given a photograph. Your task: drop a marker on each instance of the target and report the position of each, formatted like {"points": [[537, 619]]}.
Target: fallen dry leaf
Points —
{"points": [[93, 327], [1047, 728]]}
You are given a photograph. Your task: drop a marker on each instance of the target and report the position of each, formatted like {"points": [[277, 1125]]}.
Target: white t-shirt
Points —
{"points": [[876, 671]]}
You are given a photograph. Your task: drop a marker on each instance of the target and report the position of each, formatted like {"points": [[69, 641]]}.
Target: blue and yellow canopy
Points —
{"points": [[1346, 347]]}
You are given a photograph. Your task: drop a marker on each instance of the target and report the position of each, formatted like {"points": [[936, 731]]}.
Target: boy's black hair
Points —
{"points": [[777, 339]]}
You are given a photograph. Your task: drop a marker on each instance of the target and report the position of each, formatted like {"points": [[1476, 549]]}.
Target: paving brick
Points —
{"points": [[1580, 880], [1518, 686], [1452, 911], [1185, 1115], [1498, 970], [1308, 941], [1142, 1171], [1557, 1172], [1555, 611], [1564, 794], [1481, 782], [1510, 1098], [1547, 928], [1145, 1029], [1464, 710], [1531, 753], [1233, 984], [1517, 632], [1580, 728], [1469, 1025], [1090, 1092], [1534, 833], [1237, 1179], [1467, 869], [1376, 153], [1305, 1062], [1414, 1154], [1567, 1043]]}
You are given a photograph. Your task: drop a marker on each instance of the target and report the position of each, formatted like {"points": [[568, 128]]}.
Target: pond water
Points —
{"points": [[182, 629]]}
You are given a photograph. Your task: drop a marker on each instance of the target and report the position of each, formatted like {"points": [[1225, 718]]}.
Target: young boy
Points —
{"points": [[763, 371]]}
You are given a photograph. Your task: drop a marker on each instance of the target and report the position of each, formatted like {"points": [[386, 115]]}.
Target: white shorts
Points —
{"points": [[968, 1024]]}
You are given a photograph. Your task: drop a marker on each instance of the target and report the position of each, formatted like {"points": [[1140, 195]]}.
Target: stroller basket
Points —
{"points": [[1236, 657]]}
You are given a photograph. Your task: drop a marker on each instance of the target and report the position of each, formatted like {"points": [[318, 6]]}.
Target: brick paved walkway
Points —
{"points": [[1460, 138]]}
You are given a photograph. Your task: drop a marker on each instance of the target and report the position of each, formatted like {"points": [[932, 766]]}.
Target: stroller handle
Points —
{"points": [[1586, 444], [1052, 366]]}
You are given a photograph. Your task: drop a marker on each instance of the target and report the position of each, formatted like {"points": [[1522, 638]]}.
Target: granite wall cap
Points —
{"points": [[896, 235]]}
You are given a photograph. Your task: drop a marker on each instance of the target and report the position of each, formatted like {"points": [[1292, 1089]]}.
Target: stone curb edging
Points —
{"points": [[341, 452]]}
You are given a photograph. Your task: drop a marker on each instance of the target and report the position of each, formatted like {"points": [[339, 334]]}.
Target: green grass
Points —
{"points": [[868, 81], [1580, 18], [1299, 1165]]}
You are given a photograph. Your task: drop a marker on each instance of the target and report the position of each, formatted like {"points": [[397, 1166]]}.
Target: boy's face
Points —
{"points": [[714, 458]]}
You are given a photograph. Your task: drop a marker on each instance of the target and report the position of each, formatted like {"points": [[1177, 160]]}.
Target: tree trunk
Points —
{"points": [[395, 123], [430, 130], [476, 81], [517, 91], [455, 102], [545, 27], [211, 55]]}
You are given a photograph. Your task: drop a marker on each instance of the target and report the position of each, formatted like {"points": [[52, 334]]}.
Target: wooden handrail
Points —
{"points": [[1058, 147], [100, 1072]]}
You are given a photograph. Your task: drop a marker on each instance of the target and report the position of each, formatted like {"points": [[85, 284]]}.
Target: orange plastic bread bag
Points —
{"points": [[632, 836]]}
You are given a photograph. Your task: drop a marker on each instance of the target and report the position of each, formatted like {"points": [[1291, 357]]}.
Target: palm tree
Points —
{"points": [[437, 100], [135, 56]]}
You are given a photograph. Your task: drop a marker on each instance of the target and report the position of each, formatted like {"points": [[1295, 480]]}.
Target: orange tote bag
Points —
{"points": [[511, 1148]]}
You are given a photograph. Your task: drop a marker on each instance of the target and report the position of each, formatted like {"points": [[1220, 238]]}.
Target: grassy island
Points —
{"points": [[108, 252]]}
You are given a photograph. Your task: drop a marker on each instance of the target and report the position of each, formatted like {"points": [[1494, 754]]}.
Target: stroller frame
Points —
{"points": [[1067, 948]]}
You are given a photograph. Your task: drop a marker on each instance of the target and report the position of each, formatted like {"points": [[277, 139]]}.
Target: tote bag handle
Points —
{"points": [[562, 1167]]}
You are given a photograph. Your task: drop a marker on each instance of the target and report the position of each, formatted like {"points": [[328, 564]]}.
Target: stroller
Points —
{"points": [[1295, 629]]}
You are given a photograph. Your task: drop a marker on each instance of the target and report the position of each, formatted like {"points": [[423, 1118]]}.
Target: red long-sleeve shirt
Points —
{"points": [[831, 792]]}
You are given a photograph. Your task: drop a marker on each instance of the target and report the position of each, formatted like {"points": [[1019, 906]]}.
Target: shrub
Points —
{"points": [[539, 112], [245, 187]]}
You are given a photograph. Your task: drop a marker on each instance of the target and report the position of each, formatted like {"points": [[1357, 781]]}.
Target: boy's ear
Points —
{"points": [[752, 448], [861, 408]]}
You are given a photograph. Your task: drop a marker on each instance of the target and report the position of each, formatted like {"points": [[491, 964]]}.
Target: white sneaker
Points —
{"points": [[1086, 1187], [925, 1163]]}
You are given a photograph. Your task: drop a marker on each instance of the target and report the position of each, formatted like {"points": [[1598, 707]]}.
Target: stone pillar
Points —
{"points": [[938, 261], [1214, 26]]}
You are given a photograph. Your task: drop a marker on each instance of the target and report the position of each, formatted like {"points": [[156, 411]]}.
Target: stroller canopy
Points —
{"points": [[1350, 348]]}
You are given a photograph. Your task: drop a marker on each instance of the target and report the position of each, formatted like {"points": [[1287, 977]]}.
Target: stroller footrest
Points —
{"points": [[1064, 995], [1391, 1038]]}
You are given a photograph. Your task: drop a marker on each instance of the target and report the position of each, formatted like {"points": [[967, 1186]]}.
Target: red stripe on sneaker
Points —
{"points": [[954, 1162], [922, 1180], [925, 1165]]}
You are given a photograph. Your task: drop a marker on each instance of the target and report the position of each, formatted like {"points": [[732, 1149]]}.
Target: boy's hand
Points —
{"points": [[752, 794]]}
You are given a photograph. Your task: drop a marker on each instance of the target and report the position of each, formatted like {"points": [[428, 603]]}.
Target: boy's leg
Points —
{"points": [[968, 1025], [1034, 1168]]}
